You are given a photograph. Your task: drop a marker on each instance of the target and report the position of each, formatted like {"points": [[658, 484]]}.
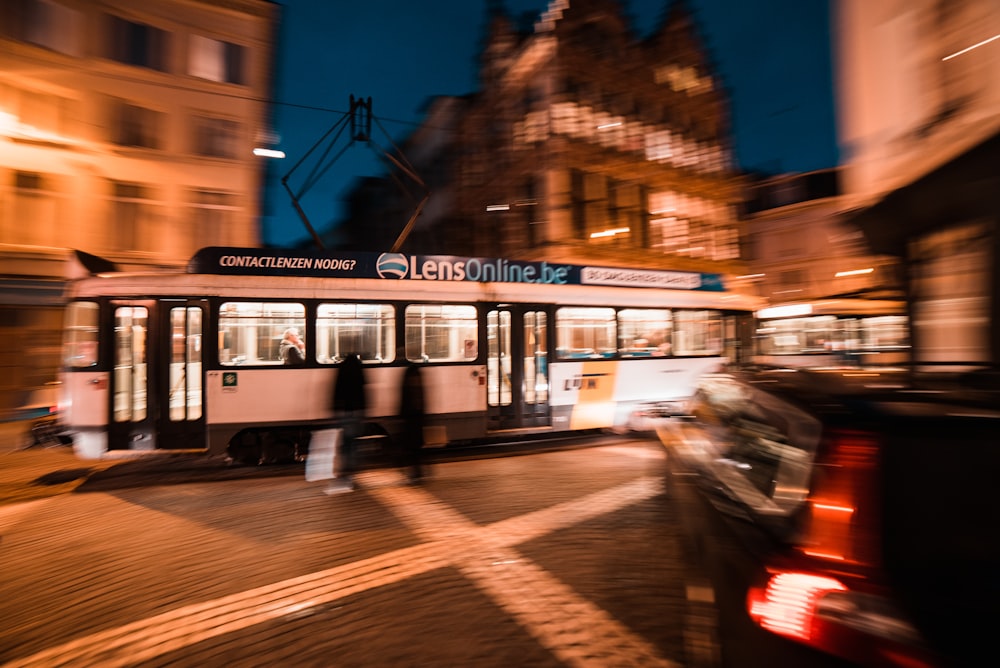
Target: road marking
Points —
{"points": [[550, 610], [560, 619]]}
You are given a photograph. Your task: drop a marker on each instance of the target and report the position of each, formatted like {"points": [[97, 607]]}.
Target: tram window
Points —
{"points": [[441, 333], [366, 329], [583, 332], [80, 345], [644, 332], [884, 332], [250, 332], [697, 332]]}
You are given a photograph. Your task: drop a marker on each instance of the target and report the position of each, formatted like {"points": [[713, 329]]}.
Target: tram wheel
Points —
{"points": [[245, 448]]}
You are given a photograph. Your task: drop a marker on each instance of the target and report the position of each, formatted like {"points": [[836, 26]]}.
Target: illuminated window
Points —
{"points": [[727, 244], [216, 60], [216, 137], [441, 333], [369, 330], [697, 333], [80, 337], [131, 377], [251, 332], [644, 332], [137, 44], [583, 333]]}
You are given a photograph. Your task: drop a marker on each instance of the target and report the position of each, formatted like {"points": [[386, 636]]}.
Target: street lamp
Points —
{"points": [[268, 153]]}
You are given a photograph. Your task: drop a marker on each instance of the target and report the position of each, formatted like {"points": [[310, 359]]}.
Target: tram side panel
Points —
{"points": [[603, 394], [241, 399], [84, 405]]}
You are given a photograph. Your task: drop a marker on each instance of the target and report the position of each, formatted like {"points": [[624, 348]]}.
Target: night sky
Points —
{"points": [[773, 57]]}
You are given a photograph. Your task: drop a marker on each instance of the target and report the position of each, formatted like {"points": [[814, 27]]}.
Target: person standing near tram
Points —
{"points": [[349, 404], [412, 410]]}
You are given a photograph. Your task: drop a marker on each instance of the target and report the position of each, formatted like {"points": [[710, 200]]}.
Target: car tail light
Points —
{"points": [[823, 612], [787, 604]]}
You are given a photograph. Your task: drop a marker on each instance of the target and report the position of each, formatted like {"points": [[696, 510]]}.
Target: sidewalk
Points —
{"points": [[26, 475]]}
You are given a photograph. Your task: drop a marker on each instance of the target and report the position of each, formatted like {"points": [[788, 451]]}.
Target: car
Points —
{"points": [[845, 516]]}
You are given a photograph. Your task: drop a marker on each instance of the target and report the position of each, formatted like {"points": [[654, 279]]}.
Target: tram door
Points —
{"points": [[130, 425], [181, 415], [156, 384], [517, 369]]}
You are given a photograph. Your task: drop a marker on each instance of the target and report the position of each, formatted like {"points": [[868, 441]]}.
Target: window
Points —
{"points": [[185, 398], [583, 333], [213, 216], [441, 333], [366, 329], [251, 332], [131, 378], [42, 23], [884, 332], [727, 243], [697, 332], [216, 137], [132, 125], [133, 218], [137, 44], [759, 447], [644, 332], [216, 60], [33, 213], [80, 344]]}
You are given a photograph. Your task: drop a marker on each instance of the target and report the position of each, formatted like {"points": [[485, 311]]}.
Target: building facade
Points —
{"points": [[802, 247], [583, 143], [126, 131], [919, 126]]}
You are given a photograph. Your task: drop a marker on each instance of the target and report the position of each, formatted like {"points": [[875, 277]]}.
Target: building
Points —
{"points": [[584, 143], [919, 116], [801, 246], [126, 131]]}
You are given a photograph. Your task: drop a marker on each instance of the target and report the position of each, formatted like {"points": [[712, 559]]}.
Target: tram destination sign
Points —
{"points": [[400, 266]]}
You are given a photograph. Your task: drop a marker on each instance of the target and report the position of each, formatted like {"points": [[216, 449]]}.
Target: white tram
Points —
{"points": [[190, 360], [854, 331]]}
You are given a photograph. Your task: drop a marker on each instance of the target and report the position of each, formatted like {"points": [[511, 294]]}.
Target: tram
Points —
{"points": [[853, 331], [191, 359]]}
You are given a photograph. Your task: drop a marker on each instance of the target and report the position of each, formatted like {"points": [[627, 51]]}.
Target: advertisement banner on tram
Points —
{"points": [[399, 266]]}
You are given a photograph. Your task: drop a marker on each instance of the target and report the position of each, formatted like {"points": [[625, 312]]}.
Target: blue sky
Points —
{"points": [[772, 55]]}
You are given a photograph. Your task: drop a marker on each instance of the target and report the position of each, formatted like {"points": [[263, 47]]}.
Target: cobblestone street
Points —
{"points": [[562, 558]]}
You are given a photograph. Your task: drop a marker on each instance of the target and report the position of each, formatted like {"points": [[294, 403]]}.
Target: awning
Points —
{"points": [[31, 292], [965, 188]]}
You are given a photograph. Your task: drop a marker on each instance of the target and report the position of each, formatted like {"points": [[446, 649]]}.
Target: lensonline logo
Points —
{"points": [[391, 265]]}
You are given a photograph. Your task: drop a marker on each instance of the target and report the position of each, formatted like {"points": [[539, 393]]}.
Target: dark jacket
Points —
{"points": [[349, 388], [411, 403], [290, 353]]}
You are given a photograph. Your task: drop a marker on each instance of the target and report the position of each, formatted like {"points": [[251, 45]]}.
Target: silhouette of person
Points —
{"points": [[349, 408], [412, 410]]}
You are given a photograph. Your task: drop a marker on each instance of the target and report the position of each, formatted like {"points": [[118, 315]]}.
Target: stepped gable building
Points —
{"points": [[583, 143]]}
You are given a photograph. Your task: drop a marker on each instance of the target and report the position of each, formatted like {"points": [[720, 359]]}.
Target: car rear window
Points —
{"points": [[764, 447]]}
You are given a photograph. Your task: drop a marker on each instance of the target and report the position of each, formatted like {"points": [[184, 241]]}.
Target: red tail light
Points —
{"points": [[822, 612], [787, 605]]}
